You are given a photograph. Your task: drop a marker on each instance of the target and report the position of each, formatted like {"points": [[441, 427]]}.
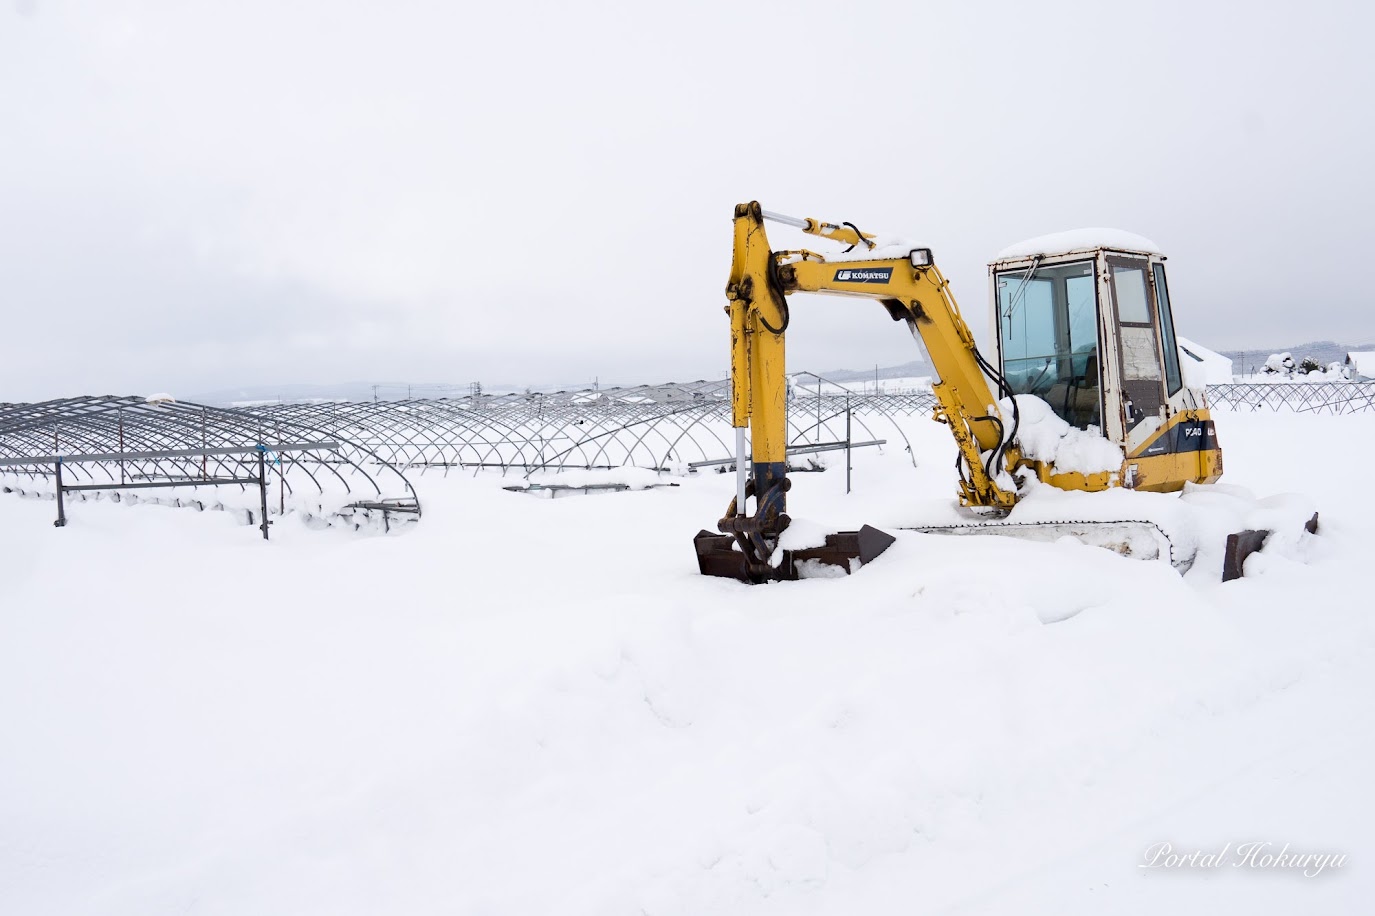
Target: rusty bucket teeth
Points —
{"points": [[844, 553]]}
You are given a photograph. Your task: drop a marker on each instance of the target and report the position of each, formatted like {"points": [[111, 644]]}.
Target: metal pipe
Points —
{"points": [[847, 444], [169, 453], [1017, 293], [61, 509], [793, 450], [185, 482], [740, 470], [281, 474], [786, 220], [262, 487]]}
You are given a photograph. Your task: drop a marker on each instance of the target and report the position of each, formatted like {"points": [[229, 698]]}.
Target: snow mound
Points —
{"points": [[801, 534], [1280, 363], [634, 478], [1218, 510], [1043, 436], [1196, 521]]}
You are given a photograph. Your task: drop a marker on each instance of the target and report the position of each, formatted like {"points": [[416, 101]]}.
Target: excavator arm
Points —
{"points": [[911, 288]]}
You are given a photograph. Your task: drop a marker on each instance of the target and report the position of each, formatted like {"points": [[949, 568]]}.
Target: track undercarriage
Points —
{"points": [[748, 553]]}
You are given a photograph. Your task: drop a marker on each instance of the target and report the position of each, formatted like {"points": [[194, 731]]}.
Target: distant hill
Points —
{"points": [[916, 367], [1244, 362], [343, 391], [356, 391], [1247, 362]]}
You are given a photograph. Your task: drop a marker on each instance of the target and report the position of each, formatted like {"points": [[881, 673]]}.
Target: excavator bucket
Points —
{"points": [[843, 553]]}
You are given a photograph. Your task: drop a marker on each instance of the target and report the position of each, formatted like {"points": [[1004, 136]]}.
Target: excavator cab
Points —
{"points": [[1083, 321]]}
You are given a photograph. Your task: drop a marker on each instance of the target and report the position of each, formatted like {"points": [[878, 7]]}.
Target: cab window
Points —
{"points": [[1048, 337], [1173, 381], [1138, 343]]}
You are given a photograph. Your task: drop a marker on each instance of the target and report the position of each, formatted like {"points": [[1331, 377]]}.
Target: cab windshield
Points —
{"points": [[1048, 331]]}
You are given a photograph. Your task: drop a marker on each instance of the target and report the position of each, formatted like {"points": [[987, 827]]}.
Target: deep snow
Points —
{"points": [[537, 706]]}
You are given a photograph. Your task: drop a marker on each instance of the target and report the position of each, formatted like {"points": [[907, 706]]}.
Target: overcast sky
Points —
{"points": [[203, 195]]}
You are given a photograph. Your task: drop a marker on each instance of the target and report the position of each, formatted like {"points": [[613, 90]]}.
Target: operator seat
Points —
{"points": [[1075, 399]]}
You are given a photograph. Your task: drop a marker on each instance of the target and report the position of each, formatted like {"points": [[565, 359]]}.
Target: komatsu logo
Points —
{"points": [[870, 275]]}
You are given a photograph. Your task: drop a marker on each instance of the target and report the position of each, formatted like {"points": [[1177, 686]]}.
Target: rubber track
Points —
{"points": [[984, 526]]}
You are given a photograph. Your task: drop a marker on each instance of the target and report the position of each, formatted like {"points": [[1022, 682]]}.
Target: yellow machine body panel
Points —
{"points": [[1184, 451]]}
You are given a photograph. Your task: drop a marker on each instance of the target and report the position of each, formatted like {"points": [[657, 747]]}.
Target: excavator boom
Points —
{"points": [[912, 289]]}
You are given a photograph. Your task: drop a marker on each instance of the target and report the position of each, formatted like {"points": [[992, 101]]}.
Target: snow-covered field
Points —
{"points": [[537, 706]]}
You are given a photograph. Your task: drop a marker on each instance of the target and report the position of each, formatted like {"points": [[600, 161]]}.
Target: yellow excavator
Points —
{"points": [[1085, 340]]}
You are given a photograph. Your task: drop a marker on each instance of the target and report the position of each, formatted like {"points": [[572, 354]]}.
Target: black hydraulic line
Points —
{"points": [[776, 287], [859, 235], [996, 453], [1004, 387]]}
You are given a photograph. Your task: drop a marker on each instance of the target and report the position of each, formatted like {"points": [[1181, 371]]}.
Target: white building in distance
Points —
{"points": [[1217, 366], [1362, 366]]}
